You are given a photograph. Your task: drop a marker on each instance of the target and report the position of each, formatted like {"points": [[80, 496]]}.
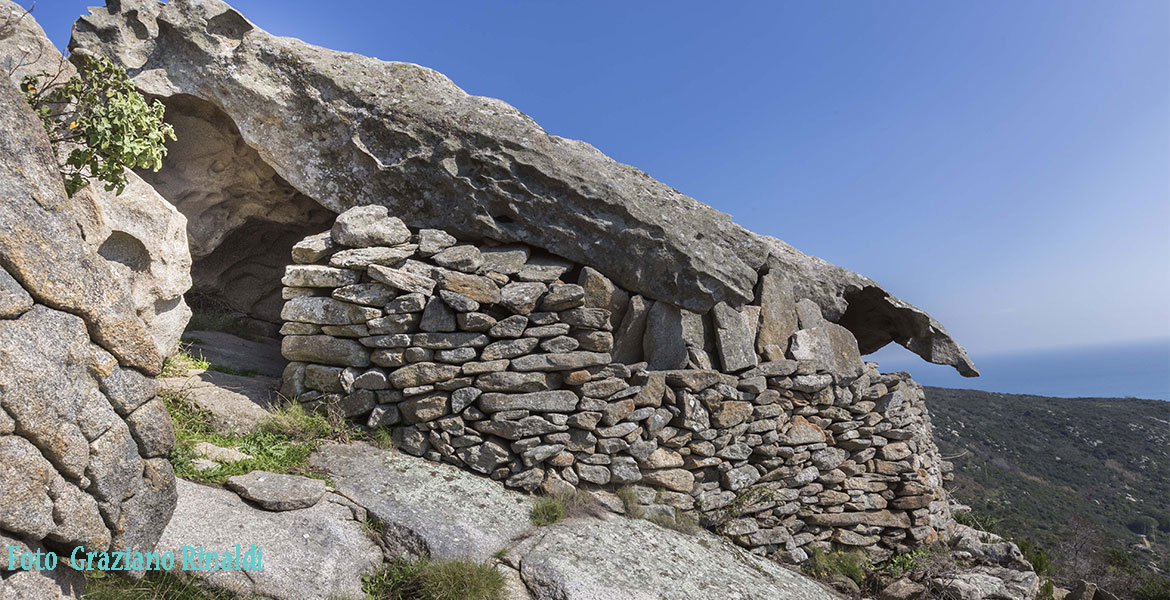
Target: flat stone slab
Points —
{"points": [[237, 404], [232, 351], [616, 558], [220, 454], [276, 492], [429, 509], [314, 553]]}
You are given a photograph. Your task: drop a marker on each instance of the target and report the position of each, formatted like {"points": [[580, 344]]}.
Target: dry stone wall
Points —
{"points": [[544, 375]]}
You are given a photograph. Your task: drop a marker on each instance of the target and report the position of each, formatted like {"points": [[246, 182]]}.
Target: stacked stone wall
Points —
{"points": [[761, 421]]}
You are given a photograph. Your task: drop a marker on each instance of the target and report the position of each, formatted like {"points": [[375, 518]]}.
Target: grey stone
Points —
{"points": [[327, 311], [511, 327], [508, 349], [384, 415], [313, 248], [402, 280], [462, 398], [426, 408], [475, 321], [456, 356], [511, 381], [562, 401], [663, 344], [521, 297], [519, 429], [152, 430], [543, 268], [733, 339], [277, 492], [394, 324], [325, 350], [460, 258], [559, 344], [777, 315], [360, 258], [563, 296], [586, 318], [433, 241], [458, 302], [507, 260], [324, 539], [14, 301], [628, 341], [422, 373], [437, 317], [372, 225], [545, 331], [560, 362], [808, 314], [484, 457], [480, 289], [394, 340], [600, 292], [447, 341], [832, 347], [622, 559], [431, 509], [407, 303]]}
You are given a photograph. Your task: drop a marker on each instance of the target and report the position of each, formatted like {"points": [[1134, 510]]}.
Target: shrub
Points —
{"points": [[428, 579], [97, 115], [1154, 588], [1035, 555]]}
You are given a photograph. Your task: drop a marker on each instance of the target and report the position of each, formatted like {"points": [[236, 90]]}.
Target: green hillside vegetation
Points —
{"points": [[1084, 480]]}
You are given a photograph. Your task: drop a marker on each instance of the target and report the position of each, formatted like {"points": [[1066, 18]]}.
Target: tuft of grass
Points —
{"points": [[548, 510], [382, 438], [291, 420], [629, 499], [182, 363], [851, 564], [283, 448], [156, 585], [427, 579]]}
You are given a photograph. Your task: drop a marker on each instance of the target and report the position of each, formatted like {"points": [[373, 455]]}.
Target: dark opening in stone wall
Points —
{"points": [[242, 218]]}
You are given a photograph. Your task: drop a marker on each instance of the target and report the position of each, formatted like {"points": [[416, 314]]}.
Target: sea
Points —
{"points": [[1129, 370]]}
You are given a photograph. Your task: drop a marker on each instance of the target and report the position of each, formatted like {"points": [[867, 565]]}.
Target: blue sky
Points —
{"points": [[1003, 165]]}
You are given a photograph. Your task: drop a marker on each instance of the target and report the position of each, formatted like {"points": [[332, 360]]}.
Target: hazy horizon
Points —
{"points": [[1003, 166]]}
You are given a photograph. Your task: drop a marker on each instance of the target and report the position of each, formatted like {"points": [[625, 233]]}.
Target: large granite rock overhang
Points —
{"points": [[344, 130]]}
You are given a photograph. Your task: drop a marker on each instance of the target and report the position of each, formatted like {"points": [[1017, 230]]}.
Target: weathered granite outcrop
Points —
{"points": [[138, 233], [499, 359], [83, 439], [436, 510], [347, 130]]}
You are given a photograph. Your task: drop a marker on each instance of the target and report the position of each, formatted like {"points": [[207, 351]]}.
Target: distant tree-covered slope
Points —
{"points": [[1062, 471]]}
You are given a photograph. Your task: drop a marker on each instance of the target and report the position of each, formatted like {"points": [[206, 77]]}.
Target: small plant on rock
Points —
{"points": [[101, 120], [548, 510], [428, 579]]}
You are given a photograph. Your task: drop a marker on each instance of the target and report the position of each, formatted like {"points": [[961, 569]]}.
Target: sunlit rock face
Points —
{"points": [[347, 130]]}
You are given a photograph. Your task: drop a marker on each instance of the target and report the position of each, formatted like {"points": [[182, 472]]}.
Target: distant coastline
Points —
{"points": [[1137, 370]]}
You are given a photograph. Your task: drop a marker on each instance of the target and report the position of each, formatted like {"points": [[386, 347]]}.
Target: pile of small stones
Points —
{"points": [[545, 375]]}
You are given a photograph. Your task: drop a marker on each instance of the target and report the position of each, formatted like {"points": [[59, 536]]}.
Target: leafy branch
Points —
{"points": [[106, 125]]}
